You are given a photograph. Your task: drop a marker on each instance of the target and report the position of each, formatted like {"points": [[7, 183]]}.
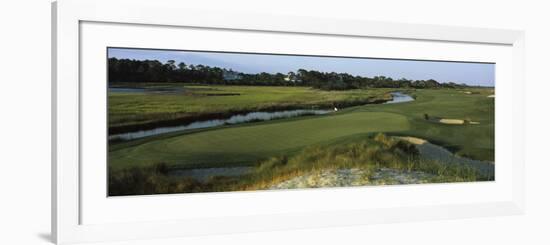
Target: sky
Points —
{"points": [[482, 74]]}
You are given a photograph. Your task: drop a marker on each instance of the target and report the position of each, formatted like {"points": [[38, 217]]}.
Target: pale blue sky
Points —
{"points": [[460, 72]]}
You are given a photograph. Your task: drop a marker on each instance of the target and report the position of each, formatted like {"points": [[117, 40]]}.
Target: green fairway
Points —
{"points": [[248, 144], [471, 140]]}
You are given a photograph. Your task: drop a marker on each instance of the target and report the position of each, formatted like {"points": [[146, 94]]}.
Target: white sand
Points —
{"points": [[326, 178], [354, 177], [413, 140], [451, 121]]}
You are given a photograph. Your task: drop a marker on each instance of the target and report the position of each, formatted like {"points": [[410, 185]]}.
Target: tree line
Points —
{"points": [[141, 71]]}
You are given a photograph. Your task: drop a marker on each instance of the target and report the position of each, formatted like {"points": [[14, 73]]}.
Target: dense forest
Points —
{"points": [[139, 71]]}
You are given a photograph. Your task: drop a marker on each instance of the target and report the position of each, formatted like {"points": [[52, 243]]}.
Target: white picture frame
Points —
{"points": [[68, 17]]}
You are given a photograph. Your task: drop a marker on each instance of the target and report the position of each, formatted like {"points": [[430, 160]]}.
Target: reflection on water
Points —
{"points": [[399, 97], [126, 90], [235, 119]]}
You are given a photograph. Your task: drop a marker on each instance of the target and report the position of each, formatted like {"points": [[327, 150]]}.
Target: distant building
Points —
{"points": [[292, 77], [231, 75]]}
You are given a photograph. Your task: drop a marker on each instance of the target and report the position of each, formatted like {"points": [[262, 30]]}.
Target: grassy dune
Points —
{"points": [[371, 155]]}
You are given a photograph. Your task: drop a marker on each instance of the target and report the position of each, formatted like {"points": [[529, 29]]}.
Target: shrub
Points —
{"points": [[384, 140], [149, 180], [406, 147]]}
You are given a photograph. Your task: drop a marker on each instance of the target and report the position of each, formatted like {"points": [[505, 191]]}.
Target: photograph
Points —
{"points": [[172, 122], [197, 121]]}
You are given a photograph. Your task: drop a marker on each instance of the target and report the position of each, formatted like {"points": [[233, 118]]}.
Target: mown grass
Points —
{"points": [[369, 154], [468, 140], [247, 144]]}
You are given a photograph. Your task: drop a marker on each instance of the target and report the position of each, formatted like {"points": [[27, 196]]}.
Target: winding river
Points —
{"points": [[398, 97]]}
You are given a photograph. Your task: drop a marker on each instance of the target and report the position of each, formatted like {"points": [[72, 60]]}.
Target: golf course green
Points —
{"points": [[247, 144], [250, 143], [357, 144]]}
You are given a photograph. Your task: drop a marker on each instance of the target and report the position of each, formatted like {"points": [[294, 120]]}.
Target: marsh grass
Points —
{"points": [[140, 111], [368, 154]]}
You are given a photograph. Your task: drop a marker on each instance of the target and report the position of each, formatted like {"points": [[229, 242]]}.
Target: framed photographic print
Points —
{"points": [[206, 121], [209, 123]]}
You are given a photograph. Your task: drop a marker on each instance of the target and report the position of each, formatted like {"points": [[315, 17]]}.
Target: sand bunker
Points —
{"points": [[412, 140], [456, 121], [491, 96], [451, 121]]}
